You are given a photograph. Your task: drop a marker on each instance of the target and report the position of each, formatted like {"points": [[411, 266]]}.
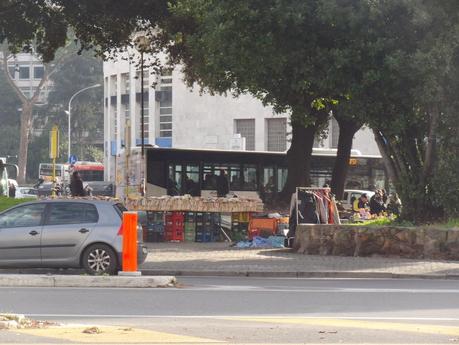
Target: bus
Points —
{"points": [[172, 171], [89, 171], [4, 175], [45, 172]]}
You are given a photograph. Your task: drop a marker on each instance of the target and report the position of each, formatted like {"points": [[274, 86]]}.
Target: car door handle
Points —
{"points": [[83, 231], [33, 233]]}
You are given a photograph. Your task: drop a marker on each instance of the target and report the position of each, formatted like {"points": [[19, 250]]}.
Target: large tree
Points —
{"points": [[392, 58]]}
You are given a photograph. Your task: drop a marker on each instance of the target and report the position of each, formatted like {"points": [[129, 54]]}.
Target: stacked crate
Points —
{"points": [[207, 226], [239, 226], [174, 226], [190, 227], [154, 227]]}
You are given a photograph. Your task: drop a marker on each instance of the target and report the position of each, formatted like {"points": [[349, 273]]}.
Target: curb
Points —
{"points": [[324, 274], [40, 280]]}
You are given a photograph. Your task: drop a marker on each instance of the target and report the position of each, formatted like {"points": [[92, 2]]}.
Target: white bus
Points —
{"points": [[45, 172]]}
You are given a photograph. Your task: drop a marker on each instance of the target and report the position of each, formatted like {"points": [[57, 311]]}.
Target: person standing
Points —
{"points": [[76, 185], [222, 184]]}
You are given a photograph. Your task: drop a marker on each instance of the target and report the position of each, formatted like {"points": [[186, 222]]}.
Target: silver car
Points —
{"points": [[65, 233]]}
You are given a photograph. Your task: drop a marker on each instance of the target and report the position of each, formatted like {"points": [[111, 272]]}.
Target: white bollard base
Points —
{"points": [[130, 274]]}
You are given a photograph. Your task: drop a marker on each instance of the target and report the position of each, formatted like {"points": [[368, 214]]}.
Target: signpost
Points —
{"points": [[54, 153], [72, 159]]}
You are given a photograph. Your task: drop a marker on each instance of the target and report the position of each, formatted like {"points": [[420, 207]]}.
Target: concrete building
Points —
{"points": [[179, 117], [27, 72]]}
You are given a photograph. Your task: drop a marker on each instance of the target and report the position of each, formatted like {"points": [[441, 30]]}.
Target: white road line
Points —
{"points": [[225, 288], [382, 318]]}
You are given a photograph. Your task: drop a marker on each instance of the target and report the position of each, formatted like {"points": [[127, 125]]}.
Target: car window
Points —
{"points": [[72, 213], [345, 196], [23, 216], [120, 208]]}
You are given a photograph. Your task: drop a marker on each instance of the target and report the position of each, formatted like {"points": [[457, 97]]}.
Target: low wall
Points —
{"points": [[348, 240]]}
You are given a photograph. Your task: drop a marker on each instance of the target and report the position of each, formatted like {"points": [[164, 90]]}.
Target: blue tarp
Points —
{"points": [[261, 242]]}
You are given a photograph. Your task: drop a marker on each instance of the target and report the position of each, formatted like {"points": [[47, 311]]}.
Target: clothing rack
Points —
{"points": [[309, 189]]}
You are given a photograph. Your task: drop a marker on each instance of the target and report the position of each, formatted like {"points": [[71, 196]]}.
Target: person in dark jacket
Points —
{"points": [[222, 184], [377, 204], [76, 185]]}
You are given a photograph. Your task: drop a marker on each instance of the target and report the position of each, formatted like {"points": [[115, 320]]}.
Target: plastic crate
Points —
{"points": [[204, 237], [174, 235], [154, 237], [190, 236], [189, 227], [155, 217], [190, 217]]}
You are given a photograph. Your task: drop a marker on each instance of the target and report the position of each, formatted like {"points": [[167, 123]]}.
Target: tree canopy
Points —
{"points": [[389, 64]]}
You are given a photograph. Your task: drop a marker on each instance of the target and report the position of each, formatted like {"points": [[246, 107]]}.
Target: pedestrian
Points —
{"points": [[76, 185], [395, 205], [222, 184], [12, 187], [360, 203], [377, 204]]}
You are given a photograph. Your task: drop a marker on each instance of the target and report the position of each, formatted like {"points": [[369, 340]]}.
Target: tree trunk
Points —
{"points": [[26, 126], [347, 129], [299, 158], [388, 162], [299, 154]]}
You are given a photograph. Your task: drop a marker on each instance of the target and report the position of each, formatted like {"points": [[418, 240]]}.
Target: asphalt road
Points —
{"points": [[251, 310]]}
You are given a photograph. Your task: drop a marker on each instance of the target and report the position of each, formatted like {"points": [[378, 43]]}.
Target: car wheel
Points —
{"points": [[99, 259]]}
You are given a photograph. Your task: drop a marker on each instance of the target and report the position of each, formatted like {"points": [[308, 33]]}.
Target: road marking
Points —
{"points": [[256, 289], [359, 324], [114, 335], [264, 316]]}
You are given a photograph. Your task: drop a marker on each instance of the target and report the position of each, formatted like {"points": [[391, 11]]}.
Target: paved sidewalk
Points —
{"points": [[220, 259]]}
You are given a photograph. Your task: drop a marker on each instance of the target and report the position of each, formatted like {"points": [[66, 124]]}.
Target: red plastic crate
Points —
{"points": [[174, 236]]}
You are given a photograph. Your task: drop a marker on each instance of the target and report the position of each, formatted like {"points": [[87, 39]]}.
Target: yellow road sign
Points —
{"points": [[54, 143]]}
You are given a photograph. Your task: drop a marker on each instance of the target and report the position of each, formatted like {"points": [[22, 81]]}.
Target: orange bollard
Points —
{"points": [[129, 241]]}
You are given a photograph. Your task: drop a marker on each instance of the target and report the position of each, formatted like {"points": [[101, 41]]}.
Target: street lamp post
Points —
{"points": [[69, 113], [142, 44]]}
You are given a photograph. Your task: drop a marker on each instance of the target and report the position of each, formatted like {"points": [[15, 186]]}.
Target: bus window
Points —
{"points": [[191, 180], [249, 173], [174, 184], [281, 178], [209, 180], [268, 180], [234, 176]]}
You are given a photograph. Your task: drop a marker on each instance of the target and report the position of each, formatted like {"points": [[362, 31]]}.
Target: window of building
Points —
{"points": [[24, 72], [146, 119], [165, 111], [276, 134], [246, 128], [12, 71], [125, 83], [38, 72]]}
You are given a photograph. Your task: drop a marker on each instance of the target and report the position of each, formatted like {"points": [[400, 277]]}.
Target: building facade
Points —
{"points": [[27, 71], [180, 117]]}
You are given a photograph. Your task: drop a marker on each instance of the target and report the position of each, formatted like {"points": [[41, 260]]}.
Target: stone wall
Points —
{"points": [[348, 240]]}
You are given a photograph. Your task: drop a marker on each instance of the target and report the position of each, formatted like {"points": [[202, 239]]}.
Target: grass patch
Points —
{"points": [[9, 202], [450, 224]]}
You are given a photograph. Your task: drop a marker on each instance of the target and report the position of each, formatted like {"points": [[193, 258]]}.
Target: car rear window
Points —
{"points": [[72, 213]]}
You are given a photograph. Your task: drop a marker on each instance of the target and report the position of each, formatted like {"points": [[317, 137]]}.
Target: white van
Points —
{"points": [[351, 194]]}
